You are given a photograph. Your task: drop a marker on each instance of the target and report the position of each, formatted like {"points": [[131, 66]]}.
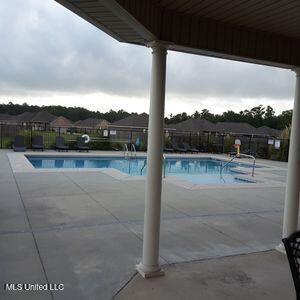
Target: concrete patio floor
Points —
{"points": [[263, 275], [84, 229]]}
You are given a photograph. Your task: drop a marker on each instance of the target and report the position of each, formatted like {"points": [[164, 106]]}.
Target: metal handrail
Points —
{"points": [[227, 164], [254, 161], [132, 149], [125, 150], [144, 165], [241, 155], [164, 166]]}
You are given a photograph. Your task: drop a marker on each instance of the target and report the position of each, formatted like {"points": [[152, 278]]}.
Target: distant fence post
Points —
{"points": [[207, 144], [1, 136], [249, 144], [287, 150], [31, 136], [223, 137]]}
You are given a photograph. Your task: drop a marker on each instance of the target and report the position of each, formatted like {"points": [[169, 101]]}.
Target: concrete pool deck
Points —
{"points": [[84, 229]]}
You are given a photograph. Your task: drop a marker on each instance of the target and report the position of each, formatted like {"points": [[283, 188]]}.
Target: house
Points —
{"points": [[77, 124], [136, 122], [61, 124], [42, 120], [194, 125], [132, 128], [268, 131], [24, 118], [235, 128], [6, 118], [91, 124], [39, 120], [133, 121]]}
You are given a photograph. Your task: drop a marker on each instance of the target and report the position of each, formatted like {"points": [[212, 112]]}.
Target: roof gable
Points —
{"points": [[61, 122], [43, 117], [194, 125], [24, 117], [235, 127], [134, 120], [266, 130], [91, 123]]}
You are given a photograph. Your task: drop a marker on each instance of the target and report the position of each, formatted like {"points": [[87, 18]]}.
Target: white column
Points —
{"points": [[149, 266], [291, 206]]}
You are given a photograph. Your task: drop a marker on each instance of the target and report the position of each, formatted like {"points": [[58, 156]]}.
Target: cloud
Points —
{"points": [[212, 77], [46, 49], [49, 48]]}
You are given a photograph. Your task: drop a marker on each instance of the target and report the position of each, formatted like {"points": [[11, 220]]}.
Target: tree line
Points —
{"points": [[72, 113], [256, 116]]}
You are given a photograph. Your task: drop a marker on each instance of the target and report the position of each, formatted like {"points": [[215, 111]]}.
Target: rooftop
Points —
{"points": [[134, 120], [61, 122], [266, 130], [5, 117], [42, 117], [23, 117], [194, 125], [91, 123], [235, 127]]}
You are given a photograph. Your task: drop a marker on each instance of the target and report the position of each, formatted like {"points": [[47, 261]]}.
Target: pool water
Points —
{"points": [[194, 170]]}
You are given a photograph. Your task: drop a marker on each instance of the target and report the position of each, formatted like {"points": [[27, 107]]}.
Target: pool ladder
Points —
{"points": [[237, 156], [130, 153], [164, 166]]}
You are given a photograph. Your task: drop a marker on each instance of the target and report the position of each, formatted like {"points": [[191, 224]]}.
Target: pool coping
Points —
{"points": [[20, 164]]}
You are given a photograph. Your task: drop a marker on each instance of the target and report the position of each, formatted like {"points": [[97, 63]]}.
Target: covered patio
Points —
{"points": [[88, 230], [251, 31]]}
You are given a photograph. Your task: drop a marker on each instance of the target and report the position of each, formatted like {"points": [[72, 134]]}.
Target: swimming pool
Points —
{"points": [[194, 170]]}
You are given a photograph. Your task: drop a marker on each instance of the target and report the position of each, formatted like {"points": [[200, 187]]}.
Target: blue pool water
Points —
{"points": [[194, 170]]}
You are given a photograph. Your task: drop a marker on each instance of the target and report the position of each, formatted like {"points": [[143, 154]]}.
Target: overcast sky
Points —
{"points": [[48, 55]]}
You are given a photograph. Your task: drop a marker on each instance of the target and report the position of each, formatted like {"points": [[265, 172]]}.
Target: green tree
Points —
{"points": [[205, 114], [270, 113], [284, 119], [269, 117], [257, 116], [196, 114]]}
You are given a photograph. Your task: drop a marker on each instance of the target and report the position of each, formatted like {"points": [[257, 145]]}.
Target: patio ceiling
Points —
{"points": [[266, 32]]}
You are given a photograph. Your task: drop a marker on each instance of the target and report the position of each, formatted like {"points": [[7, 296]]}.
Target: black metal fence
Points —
{"points": [[259, 146], [114, 139]]}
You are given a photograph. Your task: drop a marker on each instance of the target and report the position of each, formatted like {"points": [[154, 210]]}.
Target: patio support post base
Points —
{"points": [[280, 248], [291, 205], [149, 272]]}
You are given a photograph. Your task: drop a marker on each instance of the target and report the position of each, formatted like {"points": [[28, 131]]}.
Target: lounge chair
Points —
{"points": [[38, 143], [292, 245], [177, 148], [81, 145], [60, 144], [249, 152], [19, 144], [168, 149], [190, 149], [232, 152]]}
